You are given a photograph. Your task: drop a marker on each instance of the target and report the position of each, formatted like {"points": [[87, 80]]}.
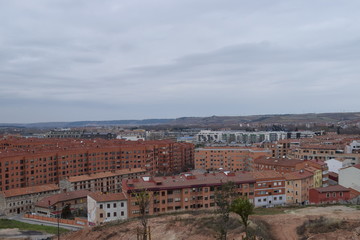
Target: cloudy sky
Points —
{"points": [[69, 60]]}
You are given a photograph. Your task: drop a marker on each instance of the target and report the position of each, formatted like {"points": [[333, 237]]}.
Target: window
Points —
{"points": [[108, 205], [101, 215], [114, 205], [122, 204], [122, 213], [334, 194], [327, 195], [101, 206]]}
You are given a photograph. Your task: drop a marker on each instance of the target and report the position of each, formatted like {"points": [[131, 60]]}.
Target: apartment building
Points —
{"points": [[269, 189], [31, 162], [281, 165], [298, 184], [207, 136], [185, 192], [317, 176], [227, 158], [100, 182], [23, 200], [318, 164], [103, 208]]}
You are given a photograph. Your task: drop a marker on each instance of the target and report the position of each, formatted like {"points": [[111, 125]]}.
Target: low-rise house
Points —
{"points": [[54, 204], [21, 200], [100, 182], [106, 207], [350, 177], [329, 194], [298, 185], [269, 189]]}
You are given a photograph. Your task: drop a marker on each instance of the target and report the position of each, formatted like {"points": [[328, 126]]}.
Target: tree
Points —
{"points": [[244, 208], [143, 200], [66, 212], [223, 199]]}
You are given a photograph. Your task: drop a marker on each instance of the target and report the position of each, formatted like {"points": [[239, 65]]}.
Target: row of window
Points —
{"points": [[114, 214], [109, 205]]}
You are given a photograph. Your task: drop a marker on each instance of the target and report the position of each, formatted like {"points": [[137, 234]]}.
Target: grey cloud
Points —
{"points": [[144, 58]]}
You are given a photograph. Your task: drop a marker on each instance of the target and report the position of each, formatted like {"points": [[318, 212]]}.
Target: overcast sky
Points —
{"points": [[69, 60]]}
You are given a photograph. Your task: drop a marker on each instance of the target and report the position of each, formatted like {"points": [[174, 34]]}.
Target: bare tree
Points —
{"points": [[223, 200], [143, 201]]}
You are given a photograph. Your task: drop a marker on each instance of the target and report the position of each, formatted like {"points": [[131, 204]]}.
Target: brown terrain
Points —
{"points": [[330, 223]]}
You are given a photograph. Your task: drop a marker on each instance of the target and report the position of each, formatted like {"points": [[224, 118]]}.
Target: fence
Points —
{"points": [[76, 221]]}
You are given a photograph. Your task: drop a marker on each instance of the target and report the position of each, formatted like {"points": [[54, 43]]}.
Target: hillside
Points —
{"points": [[318, 118], [269, 223]]}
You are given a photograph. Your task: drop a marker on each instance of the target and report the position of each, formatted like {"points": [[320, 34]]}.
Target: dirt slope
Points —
{"points": [[201, 226]]}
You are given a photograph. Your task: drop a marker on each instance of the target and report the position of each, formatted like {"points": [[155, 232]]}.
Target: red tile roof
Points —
{"points": [[62, 197], [109, 197], [357, 166], [268, 174], [30, 190], [87, 177], [188, 180], [334, 188], [298, 175], [285, 162]]}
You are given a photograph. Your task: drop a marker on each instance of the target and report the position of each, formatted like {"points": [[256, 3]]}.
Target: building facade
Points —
{"points": [[329, 194], [350, 177], [298, 185], [227, 158], [100, 182], [103, 208], [185, 192], [269, 189], [23, 200], [32, 162]]}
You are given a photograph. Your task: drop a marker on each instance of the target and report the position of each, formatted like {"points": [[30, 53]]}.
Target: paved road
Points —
{"points": [[39, 222]]}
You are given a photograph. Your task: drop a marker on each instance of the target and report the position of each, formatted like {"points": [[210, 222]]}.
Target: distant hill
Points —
{"points": [[319, 118]]}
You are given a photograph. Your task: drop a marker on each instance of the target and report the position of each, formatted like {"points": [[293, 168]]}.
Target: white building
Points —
{"points": [[106, 207], [350, 177], [334, 165], [207, 136]]}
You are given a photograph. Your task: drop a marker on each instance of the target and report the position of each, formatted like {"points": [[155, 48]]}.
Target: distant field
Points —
{"points": [[6, 223]]}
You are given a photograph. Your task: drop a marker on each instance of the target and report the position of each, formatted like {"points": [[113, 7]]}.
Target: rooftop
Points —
{"points": [[109, 197], [298, 175], [30, 190], [87, 177], [334, 188], [268, 174], [188, 180], [286, 162], [62, 197]]}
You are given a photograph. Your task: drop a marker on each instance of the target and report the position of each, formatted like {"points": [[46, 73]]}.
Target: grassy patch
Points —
{"points": [[7, 223]]}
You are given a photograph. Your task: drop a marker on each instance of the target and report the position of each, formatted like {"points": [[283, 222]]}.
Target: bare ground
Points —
{"points": [[201, 226]]}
